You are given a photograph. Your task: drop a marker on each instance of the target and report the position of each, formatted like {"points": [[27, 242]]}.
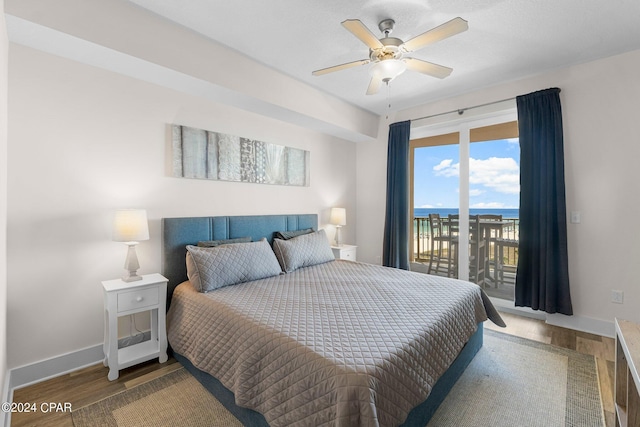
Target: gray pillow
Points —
{"points": [[213, 268], [214, 243], [286, 235], [303, 251]]}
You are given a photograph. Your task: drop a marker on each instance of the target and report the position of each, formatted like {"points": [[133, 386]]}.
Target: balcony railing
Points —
{"points": [[422, 244]]}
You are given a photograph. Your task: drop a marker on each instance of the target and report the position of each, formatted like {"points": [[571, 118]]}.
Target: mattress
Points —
{"points": [[340, 343]]}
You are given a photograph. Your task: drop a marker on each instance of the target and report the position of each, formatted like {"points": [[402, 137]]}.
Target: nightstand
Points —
{"points": [[123, 299], [347, 252]]}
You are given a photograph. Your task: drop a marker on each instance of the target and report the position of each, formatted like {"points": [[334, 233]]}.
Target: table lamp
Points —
{"points": [[130, 226], [338, 218]]}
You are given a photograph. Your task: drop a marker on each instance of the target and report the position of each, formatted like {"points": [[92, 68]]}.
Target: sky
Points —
{"points": [[494, 175]]}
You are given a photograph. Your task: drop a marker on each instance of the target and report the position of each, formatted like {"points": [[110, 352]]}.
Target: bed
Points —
{"points": [[331, 343]]}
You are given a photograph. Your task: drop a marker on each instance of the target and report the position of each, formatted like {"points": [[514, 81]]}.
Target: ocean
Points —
{"points": [[506, 213]]}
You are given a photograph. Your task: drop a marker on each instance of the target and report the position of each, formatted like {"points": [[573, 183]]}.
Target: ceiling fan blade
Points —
{"points": [[428, 68], [374, 85], [359, 30], [441, 32], [340, 67]]}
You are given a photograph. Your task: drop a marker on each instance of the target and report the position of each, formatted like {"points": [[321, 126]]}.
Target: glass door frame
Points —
{"points": [[449, 124]]}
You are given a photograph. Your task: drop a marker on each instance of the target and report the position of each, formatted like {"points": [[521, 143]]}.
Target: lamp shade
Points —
{"points": [[338, 216], [130, 225]]}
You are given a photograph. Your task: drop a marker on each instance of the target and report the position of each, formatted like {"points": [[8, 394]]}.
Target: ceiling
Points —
{"points": [[506, 40]]}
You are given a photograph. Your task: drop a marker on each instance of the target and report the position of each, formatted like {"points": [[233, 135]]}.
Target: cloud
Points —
{"points": [[447, 169], [500, 174], [476, 192], [426, 206], [490, 205]]}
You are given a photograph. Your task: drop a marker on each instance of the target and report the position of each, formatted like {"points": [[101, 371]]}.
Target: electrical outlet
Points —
{"points": [[617, 296]]}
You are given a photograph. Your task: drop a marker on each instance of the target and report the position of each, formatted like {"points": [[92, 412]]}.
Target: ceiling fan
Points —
{"points": [[387, 53]]}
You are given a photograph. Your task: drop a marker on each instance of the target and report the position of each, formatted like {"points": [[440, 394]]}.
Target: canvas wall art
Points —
{"points": [[204, 154]]}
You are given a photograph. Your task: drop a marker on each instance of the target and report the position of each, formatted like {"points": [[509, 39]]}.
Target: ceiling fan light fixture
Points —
{"points": [[387, 54], [389, 69]]}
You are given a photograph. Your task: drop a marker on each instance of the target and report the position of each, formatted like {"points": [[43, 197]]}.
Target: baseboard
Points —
{"points": [[50, 368], [577, 323], [583, 324], [60, 365]]}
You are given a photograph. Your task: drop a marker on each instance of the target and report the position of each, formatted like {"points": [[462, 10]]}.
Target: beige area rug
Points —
{"points": [[511, 382], [175, 399], [518, 382]]}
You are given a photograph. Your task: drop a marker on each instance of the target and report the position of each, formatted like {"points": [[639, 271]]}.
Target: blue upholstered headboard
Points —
{"points": [[177, 233]]}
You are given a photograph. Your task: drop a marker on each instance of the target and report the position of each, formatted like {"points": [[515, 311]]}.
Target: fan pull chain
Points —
{"points": [[388, 100]]}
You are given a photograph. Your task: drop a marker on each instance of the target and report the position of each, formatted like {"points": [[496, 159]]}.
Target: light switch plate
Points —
{"points": [[575, 217], [617, 296]]}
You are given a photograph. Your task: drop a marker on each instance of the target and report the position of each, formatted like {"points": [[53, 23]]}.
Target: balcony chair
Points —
{"points": [[501, 267], [440, 264], [491, 234], [477, 251], [477, 247]]}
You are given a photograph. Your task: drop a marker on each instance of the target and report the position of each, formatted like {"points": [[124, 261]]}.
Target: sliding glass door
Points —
{"points": [[465, 194], [494, 196]]}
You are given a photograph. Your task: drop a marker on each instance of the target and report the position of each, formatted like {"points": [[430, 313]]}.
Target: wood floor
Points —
{"points": [[90, 385], [82, 388]]}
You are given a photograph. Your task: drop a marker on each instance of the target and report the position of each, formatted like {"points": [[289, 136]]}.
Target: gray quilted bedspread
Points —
{"points": [[340, 344]]}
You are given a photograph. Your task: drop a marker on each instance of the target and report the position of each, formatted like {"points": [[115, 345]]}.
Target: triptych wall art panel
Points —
{"points": [[205, 154]]}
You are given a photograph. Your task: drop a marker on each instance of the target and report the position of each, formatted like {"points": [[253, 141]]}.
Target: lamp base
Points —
{"points": [[131, 264], [131, 278], [338, 236]]}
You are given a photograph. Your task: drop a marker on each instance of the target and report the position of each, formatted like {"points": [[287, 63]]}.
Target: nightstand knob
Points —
{"points": [[139, 299]]}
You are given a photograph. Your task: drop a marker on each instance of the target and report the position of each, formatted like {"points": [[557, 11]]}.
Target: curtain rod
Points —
{"points": [[461, 111]]}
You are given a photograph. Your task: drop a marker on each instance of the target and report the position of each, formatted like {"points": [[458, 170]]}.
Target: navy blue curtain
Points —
{"points": [[542, 280], [395, 251]]}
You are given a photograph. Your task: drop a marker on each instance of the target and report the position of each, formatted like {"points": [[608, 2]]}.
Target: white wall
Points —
{"points": [[85, 141], [3, 209], [371, 168], [600, 113]]}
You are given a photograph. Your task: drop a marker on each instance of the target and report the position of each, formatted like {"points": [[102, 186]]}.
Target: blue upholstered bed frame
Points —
{"points": [[179, 232]]}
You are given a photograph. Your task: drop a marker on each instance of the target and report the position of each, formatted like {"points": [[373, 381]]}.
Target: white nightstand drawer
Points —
{"points": [[345, 252], [137, 299], [349, 255]]}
